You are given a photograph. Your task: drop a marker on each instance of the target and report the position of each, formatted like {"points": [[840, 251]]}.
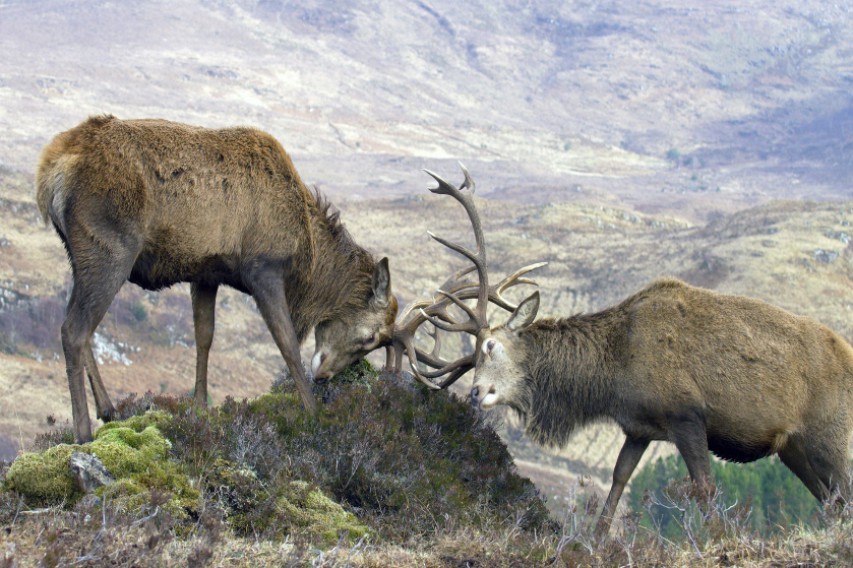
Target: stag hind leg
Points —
{"points": [[821, 465], [98, 273], [106, 410], [204, 307]]}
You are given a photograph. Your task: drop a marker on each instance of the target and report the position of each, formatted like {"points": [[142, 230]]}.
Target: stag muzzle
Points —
{"points": [[322, 368], [483, 392], [484, 397]]}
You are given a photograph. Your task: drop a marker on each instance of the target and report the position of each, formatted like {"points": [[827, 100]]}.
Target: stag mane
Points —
{"points": [[325, 266], [564, 356]]}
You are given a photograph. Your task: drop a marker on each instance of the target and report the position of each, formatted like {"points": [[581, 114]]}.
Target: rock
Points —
{"points": [[89, 472]]}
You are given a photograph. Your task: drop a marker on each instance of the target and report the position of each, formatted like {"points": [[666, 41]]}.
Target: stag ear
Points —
{"points": [[525, 313], [381, 284]]}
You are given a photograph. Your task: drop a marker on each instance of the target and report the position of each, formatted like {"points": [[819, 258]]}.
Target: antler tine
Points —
{"points": [[447, 188], [466, 290], [514, 279], [478, 257], [454, 292], [442, 320]]}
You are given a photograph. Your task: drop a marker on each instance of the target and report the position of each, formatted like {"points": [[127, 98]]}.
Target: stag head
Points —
{"points": [[499, 376], [454, 292], [342, 341]]}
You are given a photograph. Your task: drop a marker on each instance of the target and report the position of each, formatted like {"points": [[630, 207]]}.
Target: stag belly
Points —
{"points": [[745, 438], [155, 269], [738, 451]]}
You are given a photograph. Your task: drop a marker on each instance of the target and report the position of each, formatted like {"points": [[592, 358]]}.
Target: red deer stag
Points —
{"points": [[157, 203], [706, 371]]}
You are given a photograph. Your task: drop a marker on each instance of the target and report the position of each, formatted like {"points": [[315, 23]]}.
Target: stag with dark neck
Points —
{"points": [[569, 366]]}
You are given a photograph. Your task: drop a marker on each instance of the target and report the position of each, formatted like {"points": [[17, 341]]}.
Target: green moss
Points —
{"points": [[157, 418], [284, 410], [133, 451], [125, 494], [308, 510], [44, 478], [360, 372], [126, 452]]}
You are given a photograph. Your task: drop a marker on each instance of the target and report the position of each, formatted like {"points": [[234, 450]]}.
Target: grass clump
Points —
{"points": [[307, 509]]}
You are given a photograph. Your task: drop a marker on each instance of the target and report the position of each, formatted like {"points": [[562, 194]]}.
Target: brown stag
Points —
{"points": [[157, 202], [706, 371]]}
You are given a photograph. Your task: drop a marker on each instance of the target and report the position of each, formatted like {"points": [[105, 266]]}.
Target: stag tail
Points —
{"points": [[45, 187], [51, 182]]}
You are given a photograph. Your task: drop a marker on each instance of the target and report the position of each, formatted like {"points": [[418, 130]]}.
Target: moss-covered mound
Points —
{"points": [[134, 451], [384, 457]]}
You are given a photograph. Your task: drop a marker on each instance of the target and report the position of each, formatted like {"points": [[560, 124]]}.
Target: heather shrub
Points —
{"points": [[404, 460]]}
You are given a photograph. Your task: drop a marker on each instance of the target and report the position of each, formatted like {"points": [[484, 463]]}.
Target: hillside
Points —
{"points": [[696, 109]]}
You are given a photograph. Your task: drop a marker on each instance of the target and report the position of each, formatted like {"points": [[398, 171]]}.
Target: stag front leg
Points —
{"points": [[204, 320], [691, 438], [629, 456], [106, 410], [268, 290]]}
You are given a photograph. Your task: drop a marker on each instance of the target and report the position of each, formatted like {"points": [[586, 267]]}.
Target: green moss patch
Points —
{"points": [[134, 451], [44, 478], [307, 510]]}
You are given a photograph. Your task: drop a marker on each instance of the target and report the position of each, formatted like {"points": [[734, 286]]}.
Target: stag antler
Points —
{"points": [[454, 291]]}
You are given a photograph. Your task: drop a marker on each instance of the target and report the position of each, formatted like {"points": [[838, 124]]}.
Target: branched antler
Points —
{"points": [[453, 292]]}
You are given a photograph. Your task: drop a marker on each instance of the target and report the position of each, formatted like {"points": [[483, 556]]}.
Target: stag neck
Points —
{"points": [[334, 278], [571, 375]]}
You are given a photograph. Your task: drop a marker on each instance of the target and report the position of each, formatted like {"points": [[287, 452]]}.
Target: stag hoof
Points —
{"points": [[108, 415]]}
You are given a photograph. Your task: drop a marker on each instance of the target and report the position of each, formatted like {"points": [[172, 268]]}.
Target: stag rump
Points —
{"points": [[158, 202], [706, 371]]}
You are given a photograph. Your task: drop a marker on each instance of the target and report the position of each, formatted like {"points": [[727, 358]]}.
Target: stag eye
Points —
{"points": [[370, 339]]}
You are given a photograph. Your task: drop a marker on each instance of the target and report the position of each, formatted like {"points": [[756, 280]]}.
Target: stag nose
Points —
{"points": [[475, 394]]}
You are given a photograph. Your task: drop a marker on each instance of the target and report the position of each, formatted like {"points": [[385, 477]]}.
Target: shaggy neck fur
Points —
{"points": [[337, 277], [569, 375]]}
